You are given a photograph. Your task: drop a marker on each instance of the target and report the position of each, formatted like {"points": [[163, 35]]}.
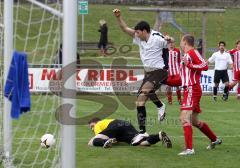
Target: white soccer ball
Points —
{"points": [[47, 140]]}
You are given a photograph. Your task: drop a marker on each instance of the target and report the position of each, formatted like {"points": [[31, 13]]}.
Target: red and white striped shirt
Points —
{"points": [[236, 59], [174, 62], [191, 73]]}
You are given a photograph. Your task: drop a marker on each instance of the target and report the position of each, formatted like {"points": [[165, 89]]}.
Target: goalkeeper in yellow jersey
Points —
{"points": [[110, 131]]}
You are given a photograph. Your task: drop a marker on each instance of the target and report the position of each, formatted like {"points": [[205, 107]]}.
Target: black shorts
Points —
{"points": [[123, 131], [221, 75], [156, 77]]}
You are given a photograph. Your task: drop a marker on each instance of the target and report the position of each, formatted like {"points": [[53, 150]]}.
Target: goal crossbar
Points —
{"points": [[47, 8], [204, 10]]}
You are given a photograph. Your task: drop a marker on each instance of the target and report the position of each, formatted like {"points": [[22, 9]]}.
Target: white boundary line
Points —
{"points": [[174, 136]]}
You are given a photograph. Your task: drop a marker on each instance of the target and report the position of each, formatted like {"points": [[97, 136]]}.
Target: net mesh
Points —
{"points": [[38, 33]]}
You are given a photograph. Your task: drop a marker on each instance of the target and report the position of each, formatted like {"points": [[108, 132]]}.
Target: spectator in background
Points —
{"points": [[103, 41], [222, 59]]}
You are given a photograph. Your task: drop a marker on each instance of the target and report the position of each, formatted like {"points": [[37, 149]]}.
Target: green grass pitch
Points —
{"points": [[222, 117]]}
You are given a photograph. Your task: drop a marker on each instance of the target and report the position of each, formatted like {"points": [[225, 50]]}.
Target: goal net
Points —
{"points": [[38, 33]]}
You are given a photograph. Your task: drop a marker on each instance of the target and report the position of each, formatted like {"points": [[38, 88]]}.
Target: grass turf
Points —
{"points": [[40, 39], [222, 117]]}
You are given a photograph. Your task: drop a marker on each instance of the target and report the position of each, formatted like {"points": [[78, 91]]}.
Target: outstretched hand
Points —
{"points": [[117, 12]]}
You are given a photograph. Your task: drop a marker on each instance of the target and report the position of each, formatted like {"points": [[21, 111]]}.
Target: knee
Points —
{"points": [[184, 119], [140, 103], [195, 123], [142, 98], [90, 143]]}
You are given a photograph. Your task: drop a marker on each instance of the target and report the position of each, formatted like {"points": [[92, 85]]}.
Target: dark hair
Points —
{"points": [[94, 120], [143, 25], [238, 41], [221, 42], [189, 39]]}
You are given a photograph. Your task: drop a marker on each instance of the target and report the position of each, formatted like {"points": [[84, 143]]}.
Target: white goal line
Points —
{"points": [[49, 9], [177, 136]]}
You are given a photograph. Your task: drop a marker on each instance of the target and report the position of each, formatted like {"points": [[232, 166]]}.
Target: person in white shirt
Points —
{"points": [[152, 46], [222, 60]]}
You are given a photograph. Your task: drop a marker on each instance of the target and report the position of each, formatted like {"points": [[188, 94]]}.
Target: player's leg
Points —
{"points": [[126, 132], [202, 126], [236, 79], [238, 90], [101, 140], [155, 138], [141, 109], [225, 80], [232, 84], [147, 91], [178, 91], [98, 136], [216, 84], [185, 118], [158, 77], [205, 129], [169, 94]]}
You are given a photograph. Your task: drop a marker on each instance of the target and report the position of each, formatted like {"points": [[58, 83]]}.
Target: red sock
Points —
{"points": [[187, 127], [207, 131], [238, 90], [179, 95], [169, 96]]}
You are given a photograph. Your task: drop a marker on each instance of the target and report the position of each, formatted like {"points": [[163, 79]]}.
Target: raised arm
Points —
{"points": [[122, 24]]}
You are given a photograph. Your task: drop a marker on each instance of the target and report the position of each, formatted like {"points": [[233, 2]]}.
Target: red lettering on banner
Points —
{"points": [[101, 75], [92, 75], [131, 76], [110, 75], [121, 75], [78, 75], [30, 78], [49, 75]]}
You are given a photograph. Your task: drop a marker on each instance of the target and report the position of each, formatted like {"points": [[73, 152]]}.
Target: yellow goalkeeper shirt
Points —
{"points": [[102, 125]]}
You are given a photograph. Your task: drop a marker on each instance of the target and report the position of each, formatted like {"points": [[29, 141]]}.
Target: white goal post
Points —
{"points": [[69, 34]]}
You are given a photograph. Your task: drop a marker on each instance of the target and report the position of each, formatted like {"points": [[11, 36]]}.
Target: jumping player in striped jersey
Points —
{"points": [[173, 69], [152, 48], [191, 67], [235, 53]]}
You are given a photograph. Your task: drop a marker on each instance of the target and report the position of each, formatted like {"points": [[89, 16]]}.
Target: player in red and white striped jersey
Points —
{"points": [[236, 67], [173, 69], [192, 65]]}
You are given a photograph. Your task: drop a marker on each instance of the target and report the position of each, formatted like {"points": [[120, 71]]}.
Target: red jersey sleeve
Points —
{"points": [[197, 62], [231, 52]]}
